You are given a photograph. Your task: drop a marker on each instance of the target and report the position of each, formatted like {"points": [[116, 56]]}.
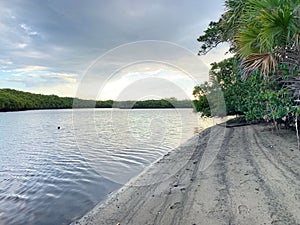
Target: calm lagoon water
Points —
{"points": [[54, 176]]}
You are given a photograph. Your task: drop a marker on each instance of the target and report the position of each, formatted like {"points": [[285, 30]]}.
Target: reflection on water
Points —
{"points": [[53, 176], [119, 144]]}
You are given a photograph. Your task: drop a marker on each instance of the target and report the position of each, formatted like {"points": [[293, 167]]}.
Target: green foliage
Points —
{"points": [[265, 35], [225, 29], [266, 98], [212, 37], [254, 26], [224, 84], [267, 25], [201, 103], [254, 97], [151, 103], [13, 100]]}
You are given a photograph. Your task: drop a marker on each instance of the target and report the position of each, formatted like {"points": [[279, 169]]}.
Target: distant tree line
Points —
{"points": [[14, 100]]}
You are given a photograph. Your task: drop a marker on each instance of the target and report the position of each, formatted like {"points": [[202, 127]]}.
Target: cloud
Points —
{"points": [[21, 45], [31, 68], [39, 76], [62, 37], [141, 59], [28, 30], [43, 79], [5, 62], [139, 84]]}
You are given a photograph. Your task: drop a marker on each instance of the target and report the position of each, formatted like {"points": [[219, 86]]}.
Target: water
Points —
{"points": [[54, 176]]}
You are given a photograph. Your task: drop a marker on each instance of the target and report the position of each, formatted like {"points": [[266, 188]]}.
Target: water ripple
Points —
{"points": [[51, 176]]}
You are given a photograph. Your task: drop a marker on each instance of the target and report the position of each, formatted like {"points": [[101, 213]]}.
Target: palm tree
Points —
{"points": [[268, 35]]}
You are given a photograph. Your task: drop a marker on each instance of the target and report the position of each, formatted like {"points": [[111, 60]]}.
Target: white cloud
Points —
{"points": [[28, 30], [35, 76], [31, 68], [67, 77], [65, 90], [171, 78], [5, 62], [34, 54], [21, 45]]}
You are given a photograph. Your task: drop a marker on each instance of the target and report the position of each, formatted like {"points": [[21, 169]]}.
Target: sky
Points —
{"points": [[96, 49]]}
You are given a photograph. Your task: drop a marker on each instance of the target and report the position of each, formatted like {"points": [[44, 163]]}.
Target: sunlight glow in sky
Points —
{"points": [[46, 46]]}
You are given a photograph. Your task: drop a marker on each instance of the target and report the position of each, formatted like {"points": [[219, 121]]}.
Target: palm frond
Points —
{"points": [[264, 62], [269, 26], [247, 41]]}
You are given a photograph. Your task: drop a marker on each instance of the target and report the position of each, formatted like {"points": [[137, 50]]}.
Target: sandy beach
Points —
{"points": [[235, 175]]}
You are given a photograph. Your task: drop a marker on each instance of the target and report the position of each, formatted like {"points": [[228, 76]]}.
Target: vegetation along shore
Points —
{"points": [[261, 79], [14, 100], [242, 172]]}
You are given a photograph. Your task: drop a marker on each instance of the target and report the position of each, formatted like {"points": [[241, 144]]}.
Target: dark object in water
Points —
{"points": [[58, 128]]}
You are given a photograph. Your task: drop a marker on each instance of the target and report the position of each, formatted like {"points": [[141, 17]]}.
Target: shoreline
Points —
{"points": [[254, 178]]}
